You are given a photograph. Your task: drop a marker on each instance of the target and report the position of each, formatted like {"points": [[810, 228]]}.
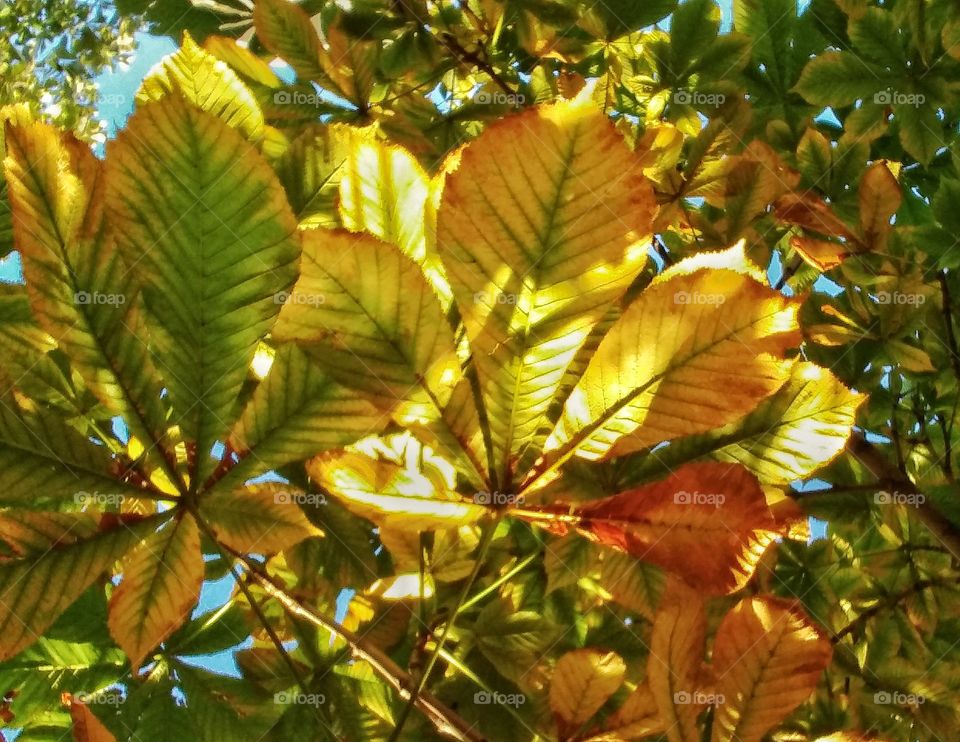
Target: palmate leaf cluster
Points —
{"points": [[495, 440]]}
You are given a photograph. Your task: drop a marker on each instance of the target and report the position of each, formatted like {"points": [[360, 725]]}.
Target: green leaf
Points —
{"points": [[365, 312], [37, 588], [296, 412], [841, 78], [513, 641], [921, 131], [260, 518], [877, 38], [161, 585], [211, 281], [620, 17], [286, 30], [43, 459], [310, 171]]}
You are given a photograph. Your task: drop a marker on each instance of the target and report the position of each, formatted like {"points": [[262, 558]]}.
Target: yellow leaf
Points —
{"points": [[384, 191], [206, 82], [367, 315], [260, 518], [542, 227], [677, 645], [880, 197], [656, 374], [582, 682], [637, 718], [391, 493], [242, 60], [767, 658], [821, 254], [790, 435], [161, 585]]}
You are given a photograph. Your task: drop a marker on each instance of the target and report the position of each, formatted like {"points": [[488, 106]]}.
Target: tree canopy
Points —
{"points": [[528, 370]]}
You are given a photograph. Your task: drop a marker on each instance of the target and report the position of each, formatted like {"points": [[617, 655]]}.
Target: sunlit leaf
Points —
{"points": [[655, 375], [160, 586], [211, 281], [206, 82], [534, 268], [365, 312], [583, 680], [677, 644], [767, 657]]}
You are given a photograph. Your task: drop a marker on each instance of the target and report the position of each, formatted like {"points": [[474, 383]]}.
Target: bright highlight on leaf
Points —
{"points": [[767, 658]]}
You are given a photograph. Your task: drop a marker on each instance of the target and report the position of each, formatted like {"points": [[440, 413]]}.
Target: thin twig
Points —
{"points": [[485, 540], [445, 720]]}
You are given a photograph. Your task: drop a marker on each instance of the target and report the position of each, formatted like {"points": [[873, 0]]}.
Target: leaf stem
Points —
{"points": [[445, 720], [485, 540]]}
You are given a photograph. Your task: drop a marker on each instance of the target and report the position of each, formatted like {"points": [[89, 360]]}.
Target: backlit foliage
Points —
{"points": [[494, 417]]}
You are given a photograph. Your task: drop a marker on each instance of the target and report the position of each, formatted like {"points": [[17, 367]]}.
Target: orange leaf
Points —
{"points": [[707, 522], [767, 657]]}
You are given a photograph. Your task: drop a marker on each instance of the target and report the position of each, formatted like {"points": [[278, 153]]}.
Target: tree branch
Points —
{"points": [[444, 719], [888, 476]]}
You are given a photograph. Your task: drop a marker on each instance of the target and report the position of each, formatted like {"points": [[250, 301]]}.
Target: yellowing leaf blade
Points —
{"points": [[161, 584], [365, 312], [541, 227], [582, 682], [655, 375], [677, 645], [260, 519], [209, 84], [767, 658], [389, 494]]}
